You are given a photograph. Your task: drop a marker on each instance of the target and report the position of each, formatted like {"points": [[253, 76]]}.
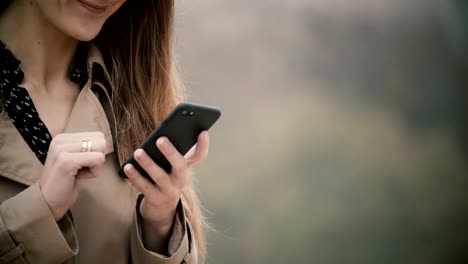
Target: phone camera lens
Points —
{"points": [[184, 112], [191, 113]]}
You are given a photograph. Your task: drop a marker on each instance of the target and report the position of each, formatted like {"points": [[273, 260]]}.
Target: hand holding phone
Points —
{"points": [[181, 131], [182, 127]]}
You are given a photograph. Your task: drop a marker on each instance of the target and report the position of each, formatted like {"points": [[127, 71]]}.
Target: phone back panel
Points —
{"points": [[182, 127]]}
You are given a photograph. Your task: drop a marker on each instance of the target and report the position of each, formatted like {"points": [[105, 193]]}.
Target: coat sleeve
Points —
{"points": [[29, 232], [181, 244]]}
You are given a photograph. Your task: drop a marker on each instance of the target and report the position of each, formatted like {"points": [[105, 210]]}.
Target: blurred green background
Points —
{"points": [[344, 130]]}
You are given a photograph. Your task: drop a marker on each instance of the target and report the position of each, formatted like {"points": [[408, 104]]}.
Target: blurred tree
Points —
{"points": [[340, 137], [462, 70]]}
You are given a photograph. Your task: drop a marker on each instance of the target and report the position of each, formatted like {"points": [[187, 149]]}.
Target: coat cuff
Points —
{"points": [[30, 223], [180, 246]]}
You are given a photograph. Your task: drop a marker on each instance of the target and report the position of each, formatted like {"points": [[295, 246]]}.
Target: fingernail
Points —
{"points": [[138, 153], [162, 141]]}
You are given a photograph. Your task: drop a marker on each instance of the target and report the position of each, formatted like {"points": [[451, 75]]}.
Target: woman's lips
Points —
{"points": [[92, 7]]}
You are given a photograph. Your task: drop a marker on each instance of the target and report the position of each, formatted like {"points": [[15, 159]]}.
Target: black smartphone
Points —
{"points": [[182, 127]]}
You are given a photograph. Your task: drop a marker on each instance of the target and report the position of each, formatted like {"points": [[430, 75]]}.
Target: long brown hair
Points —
{"points": [[137, 46]]}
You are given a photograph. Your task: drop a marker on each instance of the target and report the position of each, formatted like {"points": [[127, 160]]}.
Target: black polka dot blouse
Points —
{"points": [[18, 104]]}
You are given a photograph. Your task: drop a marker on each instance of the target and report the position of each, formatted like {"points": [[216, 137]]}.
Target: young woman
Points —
{"points": [[82, 83]]}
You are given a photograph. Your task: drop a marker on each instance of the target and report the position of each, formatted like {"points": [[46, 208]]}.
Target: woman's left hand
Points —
{"points": [[160, 200]]}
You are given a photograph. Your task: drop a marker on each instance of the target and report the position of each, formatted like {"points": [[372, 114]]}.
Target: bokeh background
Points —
{"points": [[344, 130]]}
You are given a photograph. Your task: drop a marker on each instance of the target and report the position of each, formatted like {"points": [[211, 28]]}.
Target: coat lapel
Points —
{"points": [[88, 115], [17, 160]]}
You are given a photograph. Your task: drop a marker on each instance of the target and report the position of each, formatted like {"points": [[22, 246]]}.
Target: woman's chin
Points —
{"points": [[86, 38], [84, 35]]}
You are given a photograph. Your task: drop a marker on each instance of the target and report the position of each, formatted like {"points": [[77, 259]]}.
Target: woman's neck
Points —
{"points": [[44, 51]]}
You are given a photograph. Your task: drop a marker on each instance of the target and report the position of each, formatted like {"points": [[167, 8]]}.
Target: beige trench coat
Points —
{"points": [[103, 226]]}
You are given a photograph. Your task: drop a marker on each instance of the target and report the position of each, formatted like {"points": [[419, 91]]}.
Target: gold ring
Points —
{"points": [[88, 145], [84, 145]]}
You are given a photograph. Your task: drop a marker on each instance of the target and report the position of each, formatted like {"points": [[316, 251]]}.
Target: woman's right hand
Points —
{"points": [[66, 162]]}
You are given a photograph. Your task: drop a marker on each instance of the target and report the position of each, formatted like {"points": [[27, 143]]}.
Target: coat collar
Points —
{"points": [[92, 111], [100, 82]]}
